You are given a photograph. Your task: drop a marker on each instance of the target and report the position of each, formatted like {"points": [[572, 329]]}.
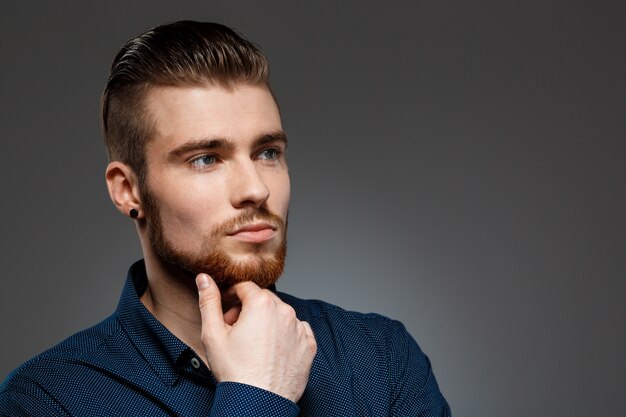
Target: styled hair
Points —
{"points": [[181, 53]]}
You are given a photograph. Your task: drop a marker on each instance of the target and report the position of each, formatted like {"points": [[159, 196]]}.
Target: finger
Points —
{"points": [[245, 291], [210, 303], [307, 329], [310, 337], [229, 299], [231, 316]]}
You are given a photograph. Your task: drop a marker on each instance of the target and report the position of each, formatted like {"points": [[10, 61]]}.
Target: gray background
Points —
{"points": [[456, 165]]}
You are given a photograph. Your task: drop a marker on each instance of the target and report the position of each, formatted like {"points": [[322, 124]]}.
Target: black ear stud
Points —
{"points": [[133, 213]]}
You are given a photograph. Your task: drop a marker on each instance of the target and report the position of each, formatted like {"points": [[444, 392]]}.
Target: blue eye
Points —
{"points": [[203, 161], [271, 153]]}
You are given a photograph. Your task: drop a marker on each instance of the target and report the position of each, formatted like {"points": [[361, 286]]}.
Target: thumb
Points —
{"points": [[210, 304]]}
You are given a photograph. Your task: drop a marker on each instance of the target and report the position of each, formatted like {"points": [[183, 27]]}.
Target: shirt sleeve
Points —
{"points": [[242, 400], [413, 385]]}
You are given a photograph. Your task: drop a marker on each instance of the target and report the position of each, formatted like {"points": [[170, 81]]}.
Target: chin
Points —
{"points": [[263, 267]]}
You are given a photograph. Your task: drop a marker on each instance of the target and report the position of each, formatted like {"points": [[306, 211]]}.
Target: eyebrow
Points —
{"points": [[277, 136], [222, 143]]}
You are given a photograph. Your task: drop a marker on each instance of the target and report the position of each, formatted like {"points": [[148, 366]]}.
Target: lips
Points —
{"points": [[254, 233]]}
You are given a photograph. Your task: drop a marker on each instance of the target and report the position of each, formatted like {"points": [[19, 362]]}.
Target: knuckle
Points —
{"points": [[263, 299], [287, 312], [205, 337], [206, 299], [210, 336], [204, 302]]}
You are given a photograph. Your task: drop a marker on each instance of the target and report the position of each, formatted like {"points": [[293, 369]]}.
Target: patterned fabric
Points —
{"points": [[131, 365]]}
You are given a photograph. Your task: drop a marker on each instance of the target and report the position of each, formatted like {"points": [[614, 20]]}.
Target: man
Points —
{"points": [[197, 155]]}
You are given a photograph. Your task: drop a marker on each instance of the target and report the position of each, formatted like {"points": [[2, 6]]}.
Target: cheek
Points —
{"points": [[283, 194], [187, 210]]}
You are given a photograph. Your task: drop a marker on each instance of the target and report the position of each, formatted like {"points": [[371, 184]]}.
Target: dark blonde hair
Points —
{"points": [[179, 53]]}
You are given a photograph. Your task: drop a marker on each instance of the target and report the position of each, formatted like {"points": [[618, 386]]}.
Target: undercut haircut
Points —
{"points": [[184, 53]]}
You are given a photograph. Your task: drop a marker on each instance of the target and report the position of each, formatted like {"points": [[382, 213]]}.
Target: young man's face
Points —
{"points": [[217, 188]]}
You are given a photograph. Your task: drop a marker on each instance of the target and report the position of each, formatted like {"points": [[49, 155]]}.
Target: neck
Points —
{"points": [[172, 298]]}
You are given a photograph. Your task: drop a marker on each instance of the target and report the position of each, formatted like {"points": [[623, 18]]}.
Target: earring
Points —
{"points": [[134, 213]]}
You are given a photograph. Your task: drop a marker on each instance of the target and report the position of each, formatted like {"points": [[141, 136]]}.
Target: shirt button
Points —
{"points": [[195, 363]]}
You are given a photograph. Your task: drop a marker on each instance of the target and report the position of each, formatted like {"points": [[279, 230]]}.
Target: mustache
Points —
{"points": [[247, 217]]}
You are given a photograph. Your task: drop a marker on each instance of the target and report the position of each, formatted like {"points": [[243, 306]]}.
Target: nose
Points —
{"points": [[248, 187]]}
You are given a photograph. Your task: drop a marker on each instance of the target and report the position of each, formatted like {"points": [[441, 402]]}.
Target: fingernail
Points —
{"points": [[202, 281]]}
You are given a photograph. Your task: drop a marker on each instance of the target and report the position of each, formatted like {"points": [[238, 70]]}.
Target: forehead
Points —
{"points": [[185, 113]]}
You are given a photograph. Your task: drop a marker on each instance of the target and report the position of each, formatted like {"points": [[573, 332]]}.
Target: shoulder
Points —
{"points": [[368, 337], [373, 355], [32, 380], [80, 345], [372, 324]]}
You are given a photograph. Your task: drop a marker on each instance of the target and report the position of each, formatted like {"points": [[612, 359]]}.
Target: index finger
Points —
{"points": [[244, 291]]}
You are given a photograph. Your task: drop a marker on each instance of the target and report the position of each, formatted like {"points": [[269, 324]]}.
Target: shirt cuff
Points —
{"points": [[242, 400]]}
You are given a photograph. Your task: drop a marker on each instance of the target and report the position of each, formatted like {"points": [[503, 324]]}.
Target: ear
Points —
{"points": [[123, 187]]}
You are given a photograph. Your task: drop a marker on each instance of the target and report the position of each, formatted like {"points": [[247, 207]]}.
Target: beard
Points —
{"points": [[260, 267]]}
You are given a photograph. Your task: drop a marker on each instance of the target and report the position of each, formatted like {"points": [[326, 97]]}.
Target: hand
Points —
{"points": [[260, 343]]}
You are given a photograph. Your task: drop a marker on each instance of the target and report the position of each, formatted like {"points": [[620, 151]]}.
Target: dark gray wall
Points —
{"points": [[456, 165]]}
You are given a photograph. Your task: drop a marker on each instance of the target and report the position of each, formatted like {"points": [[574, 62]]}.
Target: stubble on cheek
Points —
{"points": [[260, 267]]}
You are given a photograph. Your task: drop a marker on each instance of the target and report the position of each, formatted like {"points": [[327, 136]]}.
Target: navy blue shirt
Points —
{"points": [[131, 365]]}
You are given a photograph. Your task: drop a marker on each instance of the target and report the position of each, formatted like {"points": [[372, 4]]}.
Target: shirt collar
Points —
{"points": [[160, 348], [164, 352]]}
